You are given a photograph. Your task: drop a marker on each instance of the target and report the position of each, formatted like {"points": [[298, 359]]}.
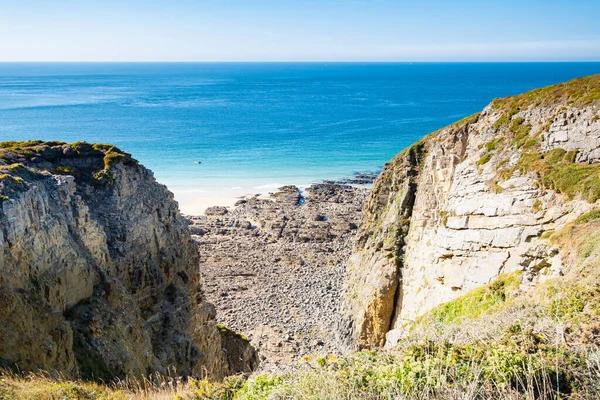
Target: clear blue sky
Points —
{"points": [[299, 30]]}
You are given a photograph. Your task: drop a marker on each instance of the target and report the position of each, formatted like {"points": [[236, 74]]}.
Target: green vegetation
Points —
{"points": [[496, 188], [520, 134], [27, 148], [537, 206], [592, 216], [20, 145], [42, 387], [105, 147], [484, 159], [65, 170], [503, 120], [466, 121], [558, 171], [69, 154], [493, 144], [10, 185], [475, 302], [112, 158], [518, 365], [577, 92], [226, 331]]}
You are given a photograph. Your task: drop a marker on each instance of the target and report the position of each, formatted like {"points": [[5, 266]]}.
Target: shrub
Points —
{"points": [[484, 159], [475, 302], [558, 171], [64, 170]]}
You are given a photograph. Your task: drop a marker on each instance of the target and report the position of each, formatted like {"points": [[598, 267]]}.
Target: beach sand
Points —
{"points": [[195, 202]]}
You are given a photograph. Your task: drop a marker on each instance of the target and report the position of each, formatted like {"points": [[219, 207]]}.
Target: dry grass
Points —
{"points": [[496, 344], [42, 386]]}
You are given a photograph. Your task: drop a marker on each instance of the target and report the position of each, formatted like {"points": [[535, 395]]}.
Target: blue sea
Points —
{"points": [[255, 126]]}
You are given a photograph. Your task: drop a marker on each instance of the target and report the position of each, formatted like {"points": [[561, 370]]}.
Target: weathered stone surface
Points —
{"points": [[373, 269], [274, 269], [98, 268], [468, 223]]}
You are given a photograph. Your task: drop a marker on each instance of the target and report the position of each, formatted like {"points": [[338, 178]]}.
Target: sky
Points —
{"points": [[299, 30]]}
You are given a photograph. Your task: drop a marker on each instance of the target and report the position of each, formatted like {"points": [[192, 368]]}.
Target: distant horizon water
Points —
{"points": [[213, 131]]}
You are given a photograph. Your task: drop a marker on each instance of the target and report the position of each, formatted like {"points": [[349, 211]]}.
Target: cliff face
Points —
{"points": [[99, 272], [470, 202]]}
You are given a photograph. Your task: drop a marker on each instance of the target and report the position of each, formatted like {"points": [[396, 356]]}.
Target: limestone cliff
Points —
{"points": [[99, 273], [472, 201]]}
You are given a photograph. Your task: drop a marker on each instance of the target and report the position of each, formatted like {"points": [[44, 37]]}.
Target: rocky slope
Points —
{"points": [[273, 267], [470, 202], [99, 272]]}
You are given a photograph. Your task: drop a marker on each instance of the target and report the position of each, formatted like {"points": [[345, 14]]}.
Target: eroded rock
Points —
{"points": [[98, 268]]}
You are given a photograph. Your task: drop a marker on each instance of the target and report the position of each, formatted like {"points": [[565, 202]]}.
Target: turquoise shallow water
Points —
{"points": [[255, 126]]}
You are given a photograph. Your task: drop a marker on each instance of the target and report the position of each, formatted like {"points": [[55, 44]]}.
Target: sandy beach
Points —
{"points": [[196, 201]]}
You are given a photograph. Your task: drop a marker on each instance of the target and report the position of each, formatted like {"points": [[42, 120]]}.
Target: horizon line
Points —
{"points": [[292, 62]]}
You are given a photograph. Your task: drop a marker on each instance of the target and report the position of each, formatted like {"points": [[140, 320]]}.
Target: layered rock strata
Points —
{"points": [[470, 202], [99, 273]]}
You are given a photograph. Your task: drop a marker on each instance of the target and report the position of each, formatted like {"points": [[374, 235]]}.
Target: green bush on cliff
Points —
{"points": [[558, 171], [577, 92], [484, 159], [475, 302], [64, 170], [111, 158]]}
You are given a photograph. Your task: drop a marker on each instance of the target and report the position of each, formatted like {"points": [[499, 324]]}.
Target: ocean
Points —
{"points": [[255, 126]]}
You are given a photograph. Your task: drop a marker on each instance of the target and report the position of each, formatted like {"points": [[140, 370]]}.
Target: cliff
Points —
{"points": [[99, 273], [470, 202]]}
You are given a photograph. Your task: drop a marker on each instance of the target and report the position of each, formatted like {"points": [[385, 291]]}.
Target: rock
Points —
{"points": [[440, 222], [288, 195], [216, 210], [99, 271], [291, 264]]}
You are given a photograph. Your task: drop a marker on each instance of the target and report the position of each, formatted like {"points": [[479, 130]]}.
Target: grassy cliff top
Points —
{"points": [[23, 161], [578, 92], [31, 148]]}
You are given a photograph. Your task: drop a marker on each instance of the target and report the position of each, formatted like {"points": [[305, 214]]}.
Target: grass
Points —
{"points": [[223, 330], [475, 302], [42, 387], [11, 185], [494, 143], [520, 134], [503, 120], [495, 342], [484, 159], [591, 216], [112, 158], [519, 366], [537, 206], [64, 170], [558, 171], [577, 93], [74, 158]]}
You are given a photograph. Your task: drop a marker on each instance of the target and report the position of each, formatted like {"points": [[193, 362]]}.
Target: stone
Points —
{"points": [[438, 223], [99, 270], [291, 266]]}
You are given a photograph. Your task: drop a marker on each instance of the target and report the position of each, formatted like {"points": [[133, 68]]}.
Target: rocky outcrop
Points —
{"points": [[99, 272], [470, 202]]}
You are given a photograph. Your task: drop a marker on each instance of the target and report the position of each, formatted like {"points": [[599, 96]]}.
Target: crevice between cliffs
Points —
{"points": [[416, 155]]}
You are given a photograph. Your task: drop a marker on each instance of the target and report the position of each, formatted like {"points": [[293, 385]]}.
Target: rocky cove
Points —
{"points": [[274, 267], [477, 242]]}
